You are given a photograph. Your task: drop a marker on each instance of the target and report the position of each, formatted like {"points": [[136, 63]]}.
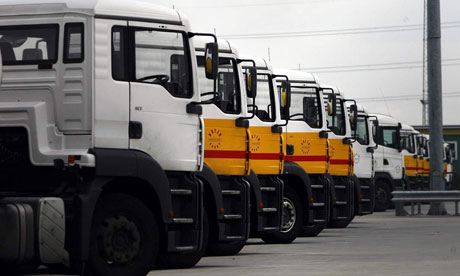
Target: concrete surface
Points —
{"points": [[381, 244]]}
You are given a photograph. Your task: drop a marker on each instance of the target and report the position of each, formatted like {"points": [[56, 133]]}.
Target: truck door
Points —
{"points": [[392, 157], [161, 86]]}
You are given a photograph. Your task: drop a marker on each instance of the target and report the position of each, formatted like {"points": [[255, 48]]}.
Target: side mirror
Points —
{"points": [[286, 98], [370, 149], [398, 137], [332, 105], [251, 82], [286, 94], [1, 69], [354, 117], [375, 131], [211, 58]]}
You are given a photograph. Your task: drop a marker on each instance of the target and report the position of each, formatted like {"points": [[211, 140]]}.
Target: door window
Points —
{"points": [[227, 97]]}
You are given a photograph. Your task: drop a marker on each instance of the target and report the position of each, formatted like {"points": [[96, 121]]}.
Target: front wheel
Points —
{"points": [[292, 219], [382, 196], [124, 237]]}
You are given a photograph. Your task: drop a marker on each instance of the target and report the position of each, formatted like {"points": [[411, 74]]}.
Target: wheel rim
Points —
{"points": [[289, 215], [381, 195], [119, 240]]}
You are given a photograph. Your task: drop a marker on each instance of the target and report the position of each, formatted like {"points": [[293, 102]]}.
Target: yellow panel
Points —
{"points": [[340, 158], [226, 150], [266, 151], [310, 151], [410, 165]]}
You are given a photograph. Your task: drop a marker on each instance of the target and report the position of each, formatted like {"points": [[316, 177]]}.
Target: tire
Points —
{"points": [[124, 237], [225, 249], [186, 260], [382, 196], [293, 214]]}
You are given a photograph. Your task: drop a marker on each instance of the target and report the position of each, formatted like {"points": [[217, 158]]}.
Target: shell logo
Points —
{"points": [[305, 146], [215, 138], [255, 142], [332, 151]]}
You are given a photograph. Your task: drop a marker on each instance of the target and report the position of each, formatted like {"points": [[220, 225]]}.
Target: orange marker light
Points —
{"points": [[71, 159], [170, 213], [261, 204], [335, 198], [312, 200], [221, 211]]}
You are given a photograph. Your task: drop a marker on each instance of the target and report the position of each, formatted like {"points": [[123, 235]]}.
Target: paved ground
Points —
{"points": [[381, 244]]}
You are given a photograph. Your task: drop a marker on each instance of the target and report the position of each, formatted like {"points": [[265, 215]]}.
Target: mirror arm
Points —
{"points": [[191, 35], [247, 60], [256, 108]]}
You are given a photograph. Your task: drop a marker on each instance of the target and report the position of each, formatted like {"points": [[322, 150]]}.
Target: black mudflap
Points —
{"points": [[342, 198], [366, 196], [269, 210], [319, 200], [184, 233], [234, 222]]}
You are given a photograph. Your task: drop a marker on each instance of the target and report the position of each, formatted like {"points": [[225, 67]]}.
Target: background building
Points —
{"points": [[452, 136]]}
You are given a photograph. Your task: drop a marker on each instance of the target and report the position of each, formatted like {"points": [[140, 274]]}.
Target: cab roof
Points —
{"points": [[385, 119], [224, 45], [134, 9], [297, 76], [407, 128], [336, 90], [261, 63]]}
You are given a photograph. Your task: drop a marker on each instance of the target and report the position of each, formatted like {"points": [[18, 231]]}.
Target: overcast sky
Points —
{"points": [[345, 42]]}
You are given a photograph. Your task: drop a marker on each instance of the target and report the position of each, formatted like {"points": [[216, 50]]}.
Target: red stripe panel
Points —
{"points": [[230, 154], [340, 162], [265, 156], [311, 158], [411, 168]]}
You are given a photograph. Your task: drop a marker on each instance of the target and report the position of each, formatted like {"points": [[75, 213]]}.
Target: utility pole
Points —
{"points": [[424, 99], [435, 102]]}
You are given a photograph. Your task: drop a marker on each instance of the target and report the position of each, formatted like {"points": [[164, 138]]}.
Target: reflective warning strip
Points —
{"points": [[339, 162], [229, 154], [265, 156], [301, 158], [411, 168]]}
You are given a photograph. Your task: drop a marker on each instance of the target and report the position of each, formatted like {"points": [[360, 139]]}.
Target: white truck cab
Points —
{"points": [[389, 163], [97, 106], [364, 167]]}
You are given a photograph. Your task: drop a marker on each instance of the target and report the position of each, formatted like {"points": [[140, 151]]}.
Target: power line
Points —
{"points": [[373, 64], [405, 97], [374, 69], [277, 3], [348, 31]]}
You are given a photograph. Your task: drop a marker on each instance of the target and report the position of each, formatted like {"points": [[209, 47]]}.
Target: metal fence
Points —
{"points": [[416, 198]]}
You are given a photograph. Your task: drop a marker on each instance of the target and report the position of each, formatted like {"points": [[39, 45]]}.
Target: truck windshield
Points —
{"points": [[362, 131], [305, 99], [29, 44]]}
